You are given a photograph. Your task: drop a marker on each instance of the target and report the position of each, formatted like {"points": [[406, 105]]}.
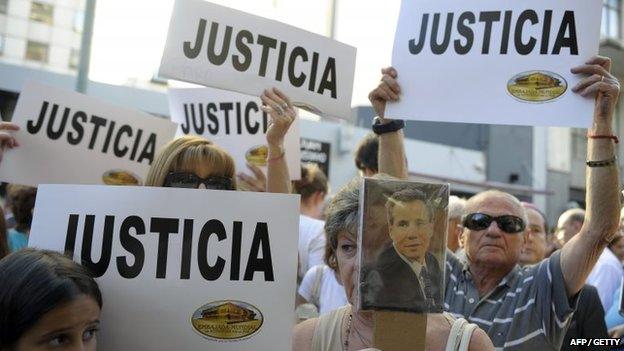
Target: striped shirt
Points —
{"points": [[528, 310]]}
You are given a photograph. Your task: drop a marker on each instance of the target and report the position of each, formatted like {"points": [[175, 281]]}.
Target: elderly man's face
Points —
{"points": [[534, 249], [411, 229], [492, 246]]}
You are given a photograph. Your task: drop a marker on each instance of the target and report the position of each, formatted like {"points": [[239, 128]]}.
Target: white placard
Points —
{"points": [[228, 49], [165, 256], [233, 121], [66, 137], [495, 66]]}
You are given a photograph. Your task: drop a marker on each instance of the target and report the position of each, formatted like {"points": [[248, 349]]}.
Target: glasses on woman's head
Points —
{"points": [[192, 181], [507, 223]]}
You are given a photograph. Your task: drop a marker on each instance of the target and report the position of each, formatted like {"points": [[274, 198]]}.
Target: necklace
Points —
{"points": [[345, 345]]}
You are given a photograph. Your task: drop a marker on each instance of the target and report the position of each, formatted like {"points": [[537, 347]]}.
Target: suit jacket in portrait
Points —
{"points": [[391, 284]]}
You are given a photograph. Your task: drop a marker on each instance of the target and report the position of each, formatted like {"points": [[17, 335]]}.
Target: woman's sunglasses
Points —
{"points": [[507, 223], [191, 181]]}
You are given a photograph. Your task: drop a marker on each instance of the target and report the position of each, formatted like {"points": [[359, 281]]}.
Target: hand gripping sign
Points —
{"points": [[497, 62], [66, 137], [180, 269], [233, 121], [228, 49]]}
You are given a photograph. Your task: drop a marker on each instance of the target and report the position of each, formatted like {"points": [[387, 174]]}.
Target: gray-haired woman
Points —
{"points": [[346, 328]]}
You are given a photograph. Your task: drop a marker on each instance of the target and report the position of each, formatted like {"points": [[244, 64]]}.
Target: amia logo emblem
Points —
{"points": [[537, 86], [227, 320]]}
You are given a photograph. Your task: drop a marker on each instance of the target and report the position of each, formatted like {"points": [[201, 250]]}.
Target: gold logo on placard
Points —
{"points": [[257, 155], [537, 86], [120, 177], [227, 320]]}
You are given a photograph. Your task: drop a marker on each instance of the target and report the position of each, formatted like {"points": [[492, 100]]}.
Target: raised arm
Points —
{"points": [[391, 157], [580, 254], [282, 114]]}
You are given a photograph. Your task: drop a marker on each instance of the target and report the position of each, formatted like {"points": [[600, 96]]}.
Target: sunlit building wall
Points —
{"points": [[43, 34]]}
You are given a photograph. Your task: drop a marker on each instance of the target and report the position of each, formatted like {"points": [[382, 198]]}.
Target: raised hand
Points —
{"points": [[257, 182], [601, 84], [387, 90], [282, 114]]}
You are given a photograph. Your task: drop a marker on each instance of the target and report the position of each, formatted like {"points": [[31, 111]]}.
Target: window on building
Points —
{"points": [[4, 5], [42, 12], [37, 51], [74, 58], [611, 12]]}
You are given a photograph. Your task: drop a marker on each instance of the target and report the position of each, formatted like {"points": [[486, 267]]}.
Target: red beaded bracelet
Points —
{"points": [[275, 158], [598, 136]]}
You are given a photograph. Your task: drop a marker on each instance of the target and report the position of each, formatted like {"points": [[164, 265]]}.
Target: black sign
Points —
{"points": [[317, 152]]}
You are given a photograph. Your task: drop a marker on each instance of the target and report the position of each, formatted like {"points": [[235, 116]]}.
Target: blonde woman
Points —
{"points": [[194, 162]]}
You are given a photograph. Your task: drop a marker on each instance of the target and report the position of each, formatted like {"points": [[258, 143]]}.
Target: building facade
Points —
{"points": [[42, 34]]}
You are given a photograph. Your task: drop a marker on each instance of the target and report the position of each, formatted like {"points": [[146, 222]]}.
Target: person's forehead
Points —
{"points": [[412, 209], [564, 219], [496, 205], [80, 311], [535, 218], [347, 235]]}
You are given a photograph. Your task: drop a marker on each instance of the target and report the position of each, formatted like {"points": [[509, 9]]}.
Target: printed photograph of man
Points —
{"points": [[406, 276]]}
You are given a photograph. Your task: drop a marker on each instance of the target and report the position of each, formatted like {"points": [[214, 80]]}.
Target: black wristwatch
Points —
{"points": [[389, 127]]}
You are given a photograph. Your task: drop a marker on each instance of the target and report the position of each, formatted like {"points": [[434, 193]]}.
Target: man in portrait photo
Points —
{"points": [[406, 276]]}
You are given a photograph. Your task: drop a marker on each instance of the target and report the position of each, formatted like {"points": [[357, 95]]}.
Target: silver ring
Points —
{"points": [[285, 106], [601, 78], [279, 111]]}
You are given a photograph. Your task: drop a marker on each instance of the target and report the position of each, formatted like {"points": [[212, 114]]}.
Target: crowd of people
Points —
{"points": [[510, 281]]}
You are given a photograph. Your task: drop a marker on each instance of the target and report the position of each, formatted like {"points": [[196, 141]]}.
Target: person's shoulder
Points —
{"points": [[611, 260], [16, 236], [311, 221], [430, 258], [311, 224], [589, 294], [388, 257], [480, 341], [303, 334]]}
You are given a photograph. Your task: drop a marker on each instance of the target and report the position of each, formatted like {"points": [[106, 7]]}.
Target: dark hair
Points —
{"points": [[34, 282], [312, 181], [4, 245], [366, 153], [406, 196], [22, 202]]}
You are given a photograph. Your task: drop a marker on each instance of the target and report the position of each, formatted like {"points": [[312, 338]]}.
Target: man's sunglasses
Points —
{"points": [[507, 223], [191, 181]]}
